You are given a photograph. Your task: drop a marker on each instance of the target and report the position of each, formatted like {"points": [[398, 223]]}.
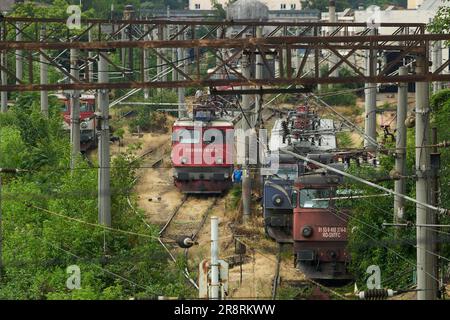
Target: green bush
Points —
{"points": [[334, 95], [344, 140], [50, 221]]}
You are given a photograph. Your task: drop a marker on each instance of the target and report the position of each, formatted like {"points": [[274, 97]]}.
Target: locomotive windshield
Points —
{"points": [[287, 172], [187, 136], [315, 198], [64, 107], [86, 107]]}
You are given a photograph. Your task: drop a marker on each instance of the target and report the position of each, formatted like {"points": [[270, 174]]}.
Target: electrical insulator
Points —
{"points": [[394, 174], [376, 294], [410, 121], [185, 242]]}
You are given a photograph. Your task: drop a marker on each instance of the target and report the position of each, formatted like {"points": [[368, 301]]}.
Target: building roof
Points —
{"points": [[432, 5], [247, 10]]}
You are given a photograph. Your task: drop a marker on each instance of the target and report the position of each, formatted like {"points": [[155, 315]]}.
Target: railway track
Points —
{"points": [[318, 292], [185, 220]]}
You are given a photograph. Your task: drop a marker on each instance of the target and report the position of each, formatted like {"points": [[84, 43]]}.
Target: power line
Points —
{"points": [[345, 174], [104, 227], [380, 230], [386, 247]]}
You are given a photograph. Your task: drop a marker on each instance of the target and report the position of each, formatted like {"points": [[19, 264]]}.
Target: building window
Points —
{"points": [[293, 5], [197, 6], [283, 6]]}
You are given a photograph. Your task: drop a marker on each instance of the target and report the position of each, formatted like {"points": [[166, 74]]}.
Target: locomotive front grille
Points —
{"points": [[305, 255], [215, 174]]}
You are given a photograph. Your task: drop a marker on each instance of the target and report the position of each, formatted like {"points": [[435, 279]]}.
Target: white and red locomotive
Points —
{"points": [[202, 152], [88, 138]]}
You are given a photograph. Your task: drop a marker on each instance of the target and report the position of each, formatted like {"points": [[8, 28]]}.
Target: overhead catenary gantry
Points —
{"points": [[171, 54], [214, 37]]}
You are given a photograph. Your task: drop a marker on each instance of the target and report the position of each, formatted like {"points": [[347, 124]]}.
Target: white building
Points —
{"points": [[271, 4]]}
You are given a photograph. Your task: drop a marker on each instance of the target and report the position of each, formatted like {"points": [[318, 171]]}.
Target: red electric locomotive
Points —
{"points": [[319, 229], [202, 151], [88, 138]]}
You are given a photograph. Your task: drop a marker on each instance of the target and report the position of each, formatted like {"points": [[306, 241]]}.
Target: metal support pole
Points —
{"points": [[181, 91], [43, 68], [434, 218], [90, 65], [400, 141], [159, 61], [74, 110], [175, 57], [370, 91], [127, 35], [436, 57], [258, 75], [104, 193], [19, 54], [215, 284], [219, 52], [4, 80], [425, 269], [166, 52], [4, 94], [123, 51], [332, 18], [146, 66], [246, 178]]}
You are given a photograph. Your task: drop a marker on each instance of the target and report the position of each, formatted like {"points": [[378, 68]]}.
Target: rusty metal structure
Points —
{"points": [[226, 41]]}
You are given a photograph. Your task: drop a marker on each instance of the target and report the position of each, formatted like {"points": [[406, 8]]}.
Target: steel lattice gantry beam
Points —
{"points": [[223, 41]]}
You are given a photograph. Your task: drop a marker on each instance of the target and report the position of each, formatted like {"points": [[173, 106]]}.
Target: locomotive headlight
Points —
{"points": [[219, 160], [184, 160], [84, 125], [307, 231], [277, 200]]}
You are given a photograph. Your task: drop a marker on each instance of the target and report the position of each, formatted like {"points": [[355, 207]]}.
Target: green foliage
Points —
{"points": [[147, 119], [369, 242], [344, 96], [292, 293], [235, 196], [334, 96], [393, 248], [440, 98], [344, 140], [50, 220], [441, 21]]}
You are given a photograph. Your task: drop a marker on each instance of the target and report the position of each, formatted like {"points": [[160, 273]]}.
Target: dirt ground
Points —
{"points": [[158, 197]]}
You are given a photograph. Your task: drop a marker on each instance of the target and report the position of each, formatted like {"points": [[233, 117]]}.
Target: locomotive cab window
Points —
{"points": [[315, 198], [203, 115], [209, 139], [214, 136], [186, 136], [294, 199], [86, 107], [287, 172]]}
